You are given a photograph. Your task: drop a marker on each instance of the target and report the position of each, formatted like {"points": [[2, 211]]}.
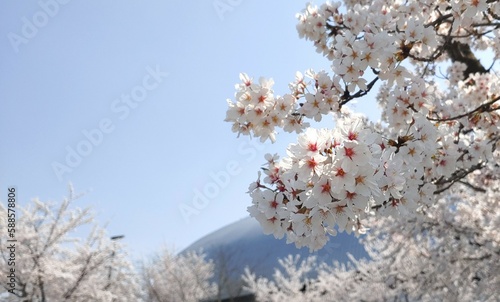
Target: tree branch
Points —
{"points": [[456, 177], [478, 189], [482, 108], [347, 97]]}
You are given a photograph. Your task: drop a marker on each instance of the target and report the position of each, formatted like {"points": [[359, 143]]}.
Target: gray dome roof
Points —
{"points": [[243, 243]]}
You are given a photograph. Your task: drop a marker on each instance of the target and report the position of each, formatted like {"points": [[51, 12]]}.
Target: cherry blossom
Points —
{"points": [[52, 264], [447, 253], [439, 122]]}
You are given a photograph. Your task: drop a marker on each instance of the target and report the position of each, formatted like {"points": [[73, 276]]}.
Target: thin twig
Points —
{"points": [[481, 108]]}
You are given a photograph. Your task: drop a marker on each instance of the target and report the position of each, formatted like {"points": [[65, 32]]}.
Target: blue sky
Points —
{"points": [[66, 70]]}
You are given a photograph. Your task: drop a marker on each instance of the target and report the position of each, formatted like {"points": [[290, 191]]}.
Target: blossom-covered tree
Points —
{"points": [[179, 278], [449, 253], [290, 282], [436, 127], [51, 265]]}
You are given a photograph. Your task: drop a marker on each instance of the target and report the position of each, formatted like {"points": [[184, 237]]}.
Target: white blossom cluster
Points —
{"points": [[332, 179], [450, 253], [183, 277], [257, 110], [51, 264], [432, 134]]}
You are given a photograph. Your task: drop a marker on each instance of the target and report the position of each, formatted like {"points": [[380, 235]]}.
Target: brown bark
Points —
{"points": [[460, 52]]}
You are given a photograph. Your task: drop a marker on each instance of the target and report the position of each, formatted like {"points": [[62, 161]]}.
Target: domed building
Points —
{"points": [[243, 244]]}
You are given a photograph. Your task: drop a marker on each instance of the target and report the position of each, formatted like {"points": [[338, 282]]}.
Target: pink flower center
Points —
{"points": [[274, 204], [311, 163], [326, 188], [313, 147], [350, 195], [352, 136], [349, 152]]}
